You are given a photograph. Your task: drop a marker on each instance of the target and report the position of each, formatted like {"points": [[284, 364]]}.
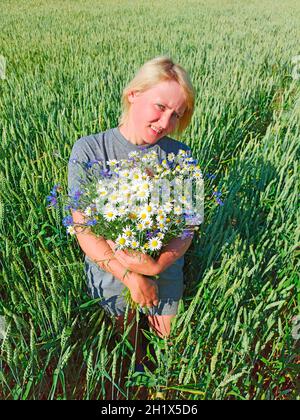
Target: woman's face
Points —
{"points": [[158, 108]]}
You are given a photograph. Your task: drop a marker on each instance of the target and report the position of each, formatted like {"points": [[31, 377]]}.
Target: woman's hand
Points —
{"points": [[143, 290], [136, 261]]}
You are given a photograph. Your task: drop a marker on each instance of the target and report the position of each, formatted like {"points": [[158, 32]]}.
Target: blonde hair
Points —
{"points": [[154, 71]]}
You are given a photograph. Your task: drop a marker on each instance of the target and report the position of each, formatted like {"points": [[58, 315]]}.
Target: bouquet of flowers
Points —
{"points": [[139, 203]]}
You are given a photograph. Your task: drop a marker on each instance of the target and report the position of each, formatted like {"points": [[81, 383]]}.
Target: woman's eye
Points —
{"points": [[176, 116], [160, 106]]}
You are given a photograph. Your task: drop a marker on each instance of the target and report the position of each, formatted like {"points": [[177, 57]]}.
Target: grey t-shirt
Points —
{"points": [[111, 144]]}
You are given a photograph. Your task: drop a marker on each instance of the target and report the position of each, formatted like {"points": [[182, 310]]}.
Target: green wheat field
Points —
{"points": [[237, 332]]}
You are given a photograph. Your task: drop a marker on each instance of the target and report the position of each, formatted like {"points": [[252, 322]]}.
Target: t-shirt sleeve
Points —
{"points": [[76, 173]]}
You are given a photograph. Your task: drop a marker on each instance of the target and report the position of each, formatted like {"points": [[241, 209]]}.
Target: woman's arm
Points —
{"points": [[175, 249], [97, 249], [146, 265], [144, 291]]}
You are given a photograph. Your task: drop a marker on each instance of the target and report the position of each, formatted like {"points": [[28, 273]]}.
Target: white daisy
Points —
{"points": [[168, 207], [159, 169], [162, 226], [143, 215], [124, 188], [171, 157], [102, 192], [114, 198], [122, 242], [134, 244], [166, 172], [161, 218], [133, 154], [71, 230], [140, 227], [110, 213], [177, 210], [122, 210], [142, 194], [182, 153], [128, 232], [184, 199], [197, 174], [112, 162], [161, 235], [136, 176], [149, 208], [165, 164], [146, 185], [145, 248], [88, 211], [146, 158], [155, 244], [147, 223], [124, 174]]}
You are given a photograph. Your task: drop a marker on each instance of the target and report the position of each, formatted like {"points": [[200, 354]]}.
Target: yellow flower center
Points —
{"points": [[132, 216]]}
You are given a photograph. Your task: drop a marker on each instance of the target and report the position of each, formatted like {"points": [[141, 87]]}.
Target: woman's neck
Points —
{"points": [[129, 134]]}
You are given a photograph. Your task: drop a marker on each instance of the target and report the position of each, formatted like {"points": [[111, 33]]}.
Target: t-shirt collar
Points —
{"points": [[119, 136]]}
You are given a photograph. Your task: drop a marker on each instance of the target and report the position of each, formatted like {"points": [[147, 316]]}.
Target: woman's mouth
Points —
{"points": [[155, 131]]}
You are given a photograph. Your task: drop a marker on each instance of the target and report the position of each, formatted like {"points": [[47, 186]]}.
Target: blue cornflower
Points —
{"points": [[192, 162], [52, 200], [90, 163], [217, 193], [55, 189], [186, 234], [68, 221], [210, 176], [92, 222], [105, 172], [75, 194]]}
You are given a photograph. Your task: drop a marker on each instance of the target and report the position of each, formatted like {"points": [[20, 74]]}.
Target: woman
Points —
{"points": [[158, 102]]}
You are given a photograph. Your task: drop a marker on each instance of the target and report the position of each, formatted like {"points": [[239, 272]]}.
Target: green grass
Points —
{"points": [[67, 63]]}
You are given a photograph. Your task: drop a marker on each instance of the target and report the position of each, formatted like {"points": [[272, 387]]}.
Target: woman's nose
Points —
{"points": [[165, 120]]}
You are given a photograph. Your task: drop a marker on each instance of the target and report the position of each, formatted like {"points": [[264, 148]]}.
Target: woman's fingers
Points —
{"points": [[111, 244], [120, 254]]}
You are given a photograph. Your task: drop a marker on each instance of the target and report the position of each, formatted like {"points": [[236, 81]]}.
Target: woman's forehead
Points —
{"points": [[169, 92]]}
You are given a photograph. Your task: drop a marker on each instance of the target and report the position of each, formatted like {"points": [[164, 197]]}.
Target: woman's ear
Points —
{"points": [[132, 95]]}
